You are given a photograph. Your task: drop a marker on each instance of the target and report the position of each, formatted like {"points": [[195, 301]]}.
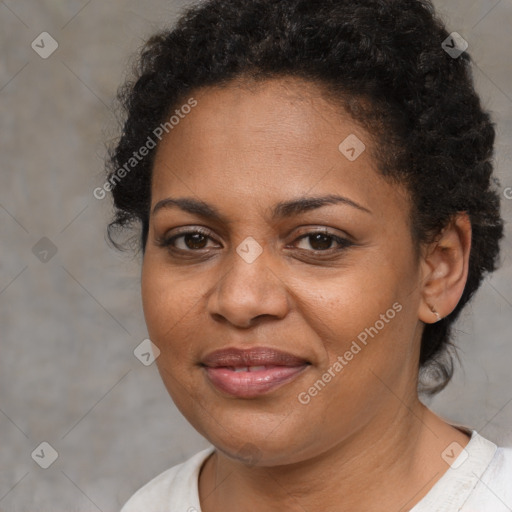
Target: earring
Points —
{"points": [[435, 312]]}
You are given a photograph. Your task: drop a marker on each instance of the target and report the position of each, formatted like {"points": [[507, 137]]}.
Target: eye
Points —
{"points": [[197, 240], [321, 241], [187, 241]]}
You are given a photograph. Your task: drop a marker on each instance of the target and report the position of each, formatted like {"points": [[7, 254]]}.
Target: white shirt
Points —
{"points": [[478, 480]]}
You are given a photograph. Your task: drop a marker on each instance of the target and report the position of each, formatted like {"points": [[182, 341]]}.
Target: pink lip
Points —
{"points": [[249, 384], [280, 368]]}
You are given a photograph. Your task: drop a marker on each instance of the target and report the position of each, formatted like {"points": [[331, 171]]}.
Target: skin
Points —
{"points": [[364, 442]]}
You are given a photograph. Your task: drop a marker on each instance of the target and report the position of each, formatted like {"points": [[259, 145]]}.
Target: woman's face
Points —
{"points": [[343, 300]]}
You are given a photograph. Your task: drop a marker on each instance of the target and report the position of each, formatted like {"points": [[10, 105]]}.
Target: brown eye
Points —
{"points": [[322, 241], [187, 241], [195, 241]]}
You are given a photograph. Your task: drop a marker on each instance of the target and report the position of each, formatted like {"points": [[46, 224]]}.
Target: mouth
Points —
{"points": [[248, 373]]}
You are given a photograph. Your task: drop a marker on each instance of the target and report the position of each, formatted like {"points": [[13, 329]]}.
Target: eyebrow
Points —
{"points": [[279, 211]]}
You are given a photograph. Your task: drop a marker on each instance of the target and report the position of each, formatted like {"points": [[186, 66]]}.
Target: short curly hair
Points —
{"points": [[384, 62]]}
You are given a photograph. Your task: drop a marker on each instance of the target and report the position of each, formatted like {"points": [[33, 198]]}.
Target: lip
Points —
{"points": [[279, 369], [256, 356]]}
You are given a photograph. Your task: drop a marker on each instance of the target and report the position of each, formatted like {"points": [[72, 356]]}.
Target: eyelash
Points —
{"points": [[168, 242]]}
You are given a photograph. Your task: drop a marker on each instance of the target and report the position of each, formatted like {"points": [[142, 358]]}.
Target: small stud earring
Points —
{"points": [[435, 312]]}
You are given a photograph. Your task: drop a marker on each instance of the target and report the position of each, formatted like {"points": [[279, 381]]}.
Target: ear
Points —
{"points": [[444, 268]]}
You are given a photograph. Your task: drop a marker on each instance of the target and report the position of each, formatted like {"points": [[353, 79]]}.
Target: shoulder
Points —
{"points": [[479, 479], [493, 490], [500, 467], [175, 488]]}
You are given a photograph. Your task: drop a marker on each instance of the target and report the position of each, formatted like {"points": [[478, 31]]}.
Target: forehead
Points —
{"points": [[281, 137], [276, 112]]}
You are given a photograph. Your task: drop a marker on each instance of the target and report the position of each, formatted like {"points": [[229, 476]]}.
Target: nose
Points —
{"points": [[248, 292]]}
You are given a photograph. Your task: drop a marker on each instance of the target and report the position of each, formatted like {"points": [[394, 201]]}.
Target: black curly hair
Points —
{"points": [[384, 62]]}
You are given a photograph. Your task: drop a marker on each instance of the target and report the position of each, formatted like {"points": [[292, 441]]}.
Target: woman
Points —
{"points": [[314, 185]]}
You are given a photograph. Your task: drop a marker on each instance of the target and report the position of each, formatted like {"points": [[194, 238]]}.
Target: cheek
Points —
{"points": [[339, 307], [155, 299], [165, 297], [368, 358], [375, 352], [366, 320], [169, 305]]}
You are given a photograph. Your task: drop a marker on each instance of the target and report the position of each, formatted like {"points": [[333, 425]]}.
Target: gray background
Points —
{"points": [[68, 375]]}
